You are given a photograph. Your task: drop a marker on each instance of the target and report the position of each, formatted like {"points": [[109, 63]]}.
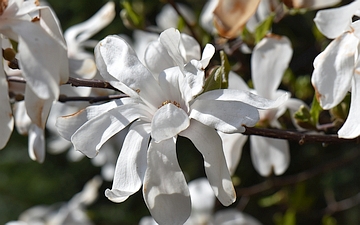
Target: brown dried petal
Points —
{"points": [[232, 15]]}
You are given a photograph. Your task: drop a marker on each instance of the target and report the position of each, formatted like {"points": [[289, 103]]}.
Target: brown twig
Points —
{"points": [[90, 99], [297, 136], [79, 82]]}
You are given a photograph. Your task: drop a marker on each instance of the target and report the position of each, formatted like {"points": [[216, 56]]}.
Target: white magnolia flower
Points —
{"points": [[270, 58], [42, 60], [72, 212], [336, 68], [158, 109]]}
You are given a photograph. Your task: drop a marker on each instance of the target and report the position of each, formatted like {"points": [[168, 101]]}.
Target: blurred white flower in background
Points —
{"points": [[72, 212]]}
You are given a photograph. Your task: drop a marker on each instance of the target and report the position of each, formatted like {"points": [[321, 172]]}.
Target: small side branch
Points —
{"points": [[78, 82], [297, 136]]}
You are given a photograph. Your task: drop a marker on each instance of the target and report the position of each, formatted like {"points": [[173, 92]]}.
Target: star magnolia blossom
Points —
{"points": [[42, 59], [270, 58], [336, 68], [158, 109]]}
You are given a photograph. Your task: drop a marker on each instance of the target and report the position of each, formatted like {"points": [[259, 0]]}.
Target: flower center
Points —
{"points": [[172, 102]]}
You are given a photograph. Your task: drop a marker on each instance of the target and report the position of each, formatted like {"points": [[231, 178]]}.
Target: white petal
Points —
{"points": [[225, 116], [351, 128], [270, 58], [208, 53], [170, 38], [236, 82], [333, 70], [41, 59], [168, 121], [202, 201], [243, 96], [232, 145], [116, 58], [171, 82], [189, 48], [333, 22], [165, 190], [67, 125], [208, 142], [83, 31], [93, 134], [36, 143], [157, 58], [22, 120], [6, 118], [269, 155], [131, 164], [38, 109]]}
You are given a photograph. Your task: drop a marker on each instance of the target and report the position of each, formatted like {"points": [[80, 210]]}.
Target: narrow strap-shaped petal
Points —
{"points": [[6, 118], [118, 62], [351, 127], [93, 134], [269, 155], [168, 121], [232, 146], [165, 189], [36, 143], [67, 125], [38, 109], [189, 48], [157, 58], [245, 97], [225, 116], [333, 70], [41, 59], [333, 22], [270, 58], [170, 38], [208, 142], [83, 31], [131, 164]]}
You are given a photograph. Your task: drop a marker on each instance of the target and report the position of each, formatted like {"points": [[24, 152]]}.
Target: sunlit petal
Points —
{"points": [[269, 155], [131, 164], [333, 70], [351, 128], [168, 121], [333, 22], [270, 58], [208, 142], [165, 189]]}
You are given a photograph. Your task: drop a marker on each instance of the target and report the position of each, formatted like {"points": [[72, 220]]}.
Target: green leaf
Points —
{"points": [[263, 28], [272, 199], [219, 76], [289, 218], [130, 18], [308, 118], [328, 220]]}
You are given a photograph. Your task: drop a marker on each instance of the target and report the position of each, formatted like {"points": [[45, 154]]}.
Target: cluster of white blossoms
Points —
{"points": [[162, 80]]}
